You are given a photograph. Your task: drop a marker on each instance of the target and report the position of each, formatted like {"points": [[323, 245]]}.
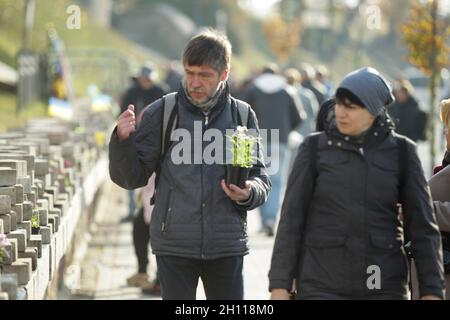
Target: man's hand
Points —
{"points": [[126, 124], [280, 294], [235, 193]]}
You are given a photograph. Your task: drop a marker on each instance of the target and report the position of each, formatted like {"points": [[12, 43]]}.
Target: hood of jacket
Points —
{"points": [[270, 83]]}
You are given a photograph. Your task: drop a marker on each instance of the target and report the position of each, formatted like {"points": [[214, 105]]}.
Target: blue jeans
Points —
{"points": [[269, 210]]}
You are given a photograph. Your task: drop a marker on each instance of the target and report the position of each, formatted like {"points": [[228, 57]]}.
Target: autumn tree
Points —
{"points": [[283, 36], [425, 35]]}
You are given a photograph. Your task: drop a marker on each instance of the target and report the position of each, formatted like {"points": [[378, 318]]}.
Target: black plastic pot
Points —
{"points": [[236, 175], [35, 230]]}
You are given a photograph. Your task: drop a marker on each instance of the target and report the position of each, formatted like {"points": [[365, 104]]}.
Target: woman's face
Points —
{"points": [[352, 119]]}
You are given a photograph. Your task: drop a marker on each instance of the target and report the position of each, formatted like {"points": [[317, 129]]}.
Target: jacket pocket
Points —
{"points": [[387, 253], [323, 263], [167, 213]]}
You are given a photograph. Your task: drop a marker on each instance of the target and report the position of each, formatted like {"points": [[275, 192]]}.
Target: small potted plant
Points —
{"points": [[242, 149], [35, 228]]}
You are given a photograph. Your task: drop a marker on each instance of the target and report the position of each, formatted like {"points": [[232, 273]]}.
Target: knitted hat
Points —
{"points": [[370, 87]]}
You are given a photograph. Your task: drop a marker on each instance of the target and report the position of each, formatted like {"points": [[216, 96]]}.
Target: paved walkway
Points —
{"points": [[110, 258]]}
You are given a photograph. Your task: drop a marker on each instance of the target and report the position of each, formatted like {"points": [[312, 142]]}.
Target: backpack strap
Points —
{"points": [[169, 121], [243, 112], [169, 102], [313, 150]]}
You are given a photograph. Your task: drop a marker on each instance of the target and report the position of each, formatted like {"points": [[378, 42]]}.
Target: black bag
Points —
{"points": [[445, 236]]}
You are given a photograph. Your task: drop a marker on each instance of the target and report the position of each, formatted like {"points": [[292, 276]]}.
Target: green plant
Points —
{"points": [[35, 220], [243, 147]]}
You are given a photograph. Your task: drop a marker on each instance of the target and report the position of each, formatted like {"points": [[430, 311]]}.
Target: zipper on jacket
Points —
{"points": [[202, 255]]}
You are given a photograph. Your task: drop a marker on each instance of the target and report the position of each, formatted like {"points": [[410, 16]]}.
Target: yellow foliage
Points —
{"points": [[283, 36], [422, 45]]}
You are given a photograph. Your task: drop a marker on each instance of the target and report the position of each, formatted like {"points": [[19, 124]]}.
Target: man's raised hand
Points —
{"points": [[126, 124]]}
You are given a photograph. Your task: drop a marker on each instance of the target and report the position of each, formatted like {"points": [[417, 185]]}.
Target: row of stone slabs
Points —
{"points": [[33, 183]]}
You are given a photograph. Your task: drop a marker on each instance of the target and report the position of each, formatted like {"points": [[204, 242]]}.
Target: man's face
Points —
{"points": [[203, 81], [401, 95], [145, 83]]}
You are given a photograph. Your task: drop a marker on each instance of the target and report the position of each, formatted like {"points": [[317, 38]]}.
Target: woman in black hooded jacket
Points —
{"points": [[339, 234]]}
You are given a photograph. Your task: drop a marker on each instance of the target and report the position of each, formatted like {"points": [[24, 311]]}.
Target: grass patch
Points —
{"points": [[9, 117]]}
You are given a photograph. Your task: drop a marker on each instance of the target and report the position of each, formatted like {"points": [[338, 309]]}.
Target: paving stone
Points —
{"points": [[32, 254], [19, 193], [18, 209], [41, 167], [42, 203], [6, 222], [8, 177], [21, 236], [48, 180], [36, 241], [46, 233], [5, 204], [53, 220], [68, 149], [43, 217], [32, 197], [26, 183], [58, 137], [29, 146], [28, 158], [10, 192], [38, 188], [27, 210], [22, 268], [25, 225], [19, 165], [9, 284], [63, 206], [13, 220], [53, 191], [12, 135], [12, 251]]}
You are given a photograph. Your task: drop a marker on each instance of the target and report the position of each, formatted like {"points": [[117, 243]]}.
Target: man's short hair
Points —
{"points": [[210, 48]]}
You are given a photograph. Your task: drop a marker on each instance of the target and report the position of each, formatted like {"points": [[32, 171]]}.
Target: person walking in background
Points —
{"points": [[142, 92], [308, 100], [174, 75], [198, 227], [322, 76], [339, 235], [309, 81], [277, 106], [408, 118]]}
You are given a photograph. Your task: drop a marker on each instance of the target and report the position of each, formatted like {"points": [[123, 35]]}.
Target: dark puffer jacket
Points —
{"points": [[193, 217], [333, 227]]}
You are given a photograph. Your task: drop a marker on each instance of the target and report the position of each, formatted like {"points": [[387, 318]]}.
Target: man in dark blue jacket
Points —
{"points": [[198, 226]]}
